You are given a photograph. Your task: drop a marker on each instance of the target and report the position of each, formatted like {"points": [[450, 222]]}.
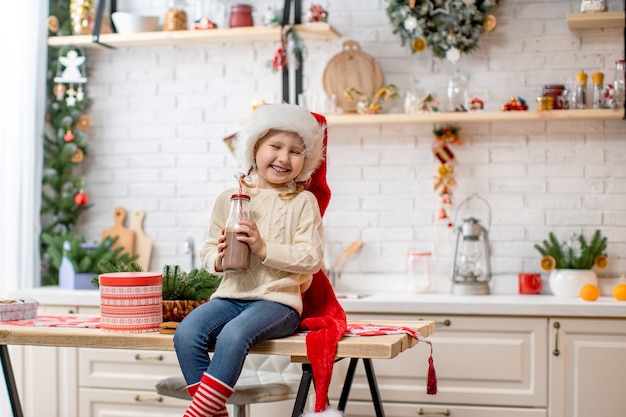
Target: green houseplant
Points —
{"points": [[182, 292], [570, 262]]}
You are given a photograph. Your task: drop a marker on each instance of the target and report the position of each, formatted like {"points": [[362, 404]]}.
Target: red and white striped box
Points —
{"points": [[131, 302]]}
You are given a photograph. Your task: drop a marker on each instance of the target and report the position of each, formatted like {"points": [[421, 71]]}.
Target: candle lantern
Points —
{"points": [[471, 269]]}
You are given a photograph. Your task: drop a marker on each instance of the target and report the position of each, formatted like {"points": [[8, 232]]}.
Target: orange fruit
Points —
{"points": [[601, 262], [548, 263], [589, 292], [619, 292]]}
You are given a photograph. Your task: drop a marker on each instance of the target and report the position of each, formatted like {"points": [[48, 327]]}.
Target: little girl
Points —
{"points": [[279, 148]]}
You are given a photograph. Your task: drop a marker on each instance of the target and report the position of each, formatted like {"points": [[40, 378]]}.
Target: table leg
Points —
{"points": [[9, 378], [371, 379], [303, 390], [347, 384]]}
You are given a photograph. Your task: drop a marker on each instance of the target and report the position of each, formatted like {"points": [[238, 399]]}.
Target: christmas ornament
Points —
{"points": [[59, 91], [77, 156], [290, 42], [53, 24], [515, 103], [449, 27], [84, 122], [444, 176], [316, 13], [69, 136], [368, 105], [71, 71], [81, 198]]}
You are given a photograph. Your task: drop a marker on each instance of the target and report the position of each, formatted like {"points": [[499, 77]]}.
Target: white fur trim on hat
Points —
{"points": [[288, 118]]}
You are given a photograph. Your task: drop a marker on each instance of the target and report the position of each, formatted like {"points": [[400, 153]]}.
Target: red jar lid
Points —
{"points": [[130, 279], [242, 196]]}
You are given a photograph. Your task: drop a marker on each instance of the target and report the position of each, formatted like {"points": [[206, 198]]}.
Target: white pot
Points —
{"points": [[568, 282]]}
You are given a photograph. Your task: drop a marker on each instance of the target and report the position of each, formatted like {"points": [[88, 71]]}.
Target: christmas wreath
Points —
{"points": [[448, 27]]}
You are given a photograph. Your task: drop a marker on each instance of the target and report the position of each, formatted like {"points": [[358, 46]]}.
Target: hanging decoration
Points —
{"points": [[71, 71], [448, 27], [445, 137], [291, 42], [316, 13]]}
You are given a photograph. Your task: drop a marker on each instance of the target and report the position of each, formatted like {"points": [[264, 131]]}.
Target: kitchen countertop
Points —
{"points": [[403, 303]]}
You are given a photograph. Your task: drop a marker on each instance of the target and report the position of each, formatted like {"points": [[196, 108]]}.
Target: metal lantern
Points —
{"points": [[471, 270]]}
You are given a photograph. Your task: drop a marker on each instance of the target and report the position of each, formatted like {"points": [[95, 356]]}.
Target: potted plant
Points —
{"points": [[570, 263], [182, 292]]}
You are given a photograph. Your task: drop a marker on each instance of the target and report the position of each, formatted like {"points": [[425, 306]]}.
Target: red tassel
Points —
{"points": [[431, 383]]}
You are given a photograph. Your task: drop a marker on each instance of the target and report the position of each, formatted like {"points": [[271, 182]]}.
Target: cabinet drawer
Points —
{"points": [[479, 361], [133, 369], [365, 409], [96, 402]]}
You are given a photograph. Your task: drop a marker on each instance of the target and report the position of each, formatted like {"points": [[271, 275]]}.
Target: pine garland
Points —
{"points": [[448, 27]]}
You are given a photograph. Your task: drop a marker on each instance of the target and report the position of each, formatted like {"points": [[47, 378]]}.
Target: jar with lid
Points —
{"points": [[176, 16], [418, 272], [597, 100], [617, 101], [241, 16], [236, 253], [580, 96]]}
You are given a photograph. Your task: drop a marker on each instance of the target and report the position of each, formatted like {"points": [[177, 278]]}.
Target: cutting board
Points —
{"points": [[126, 237], [351, 68], [143, 244]]}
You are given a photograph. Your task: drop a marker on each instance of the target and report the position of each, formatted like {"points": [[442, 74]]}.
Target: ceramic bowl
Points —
{"points": [[134, 23]]}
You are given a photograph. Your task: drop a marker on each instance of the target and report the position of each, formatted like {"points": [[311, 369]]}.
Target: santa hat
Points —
{"points": [[288, 118]]}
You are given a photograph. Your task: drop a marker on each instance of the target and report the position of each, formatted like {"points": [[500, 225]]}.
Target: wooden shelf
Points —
{"points": [[598, 20], [313, 31], [354, 119]]}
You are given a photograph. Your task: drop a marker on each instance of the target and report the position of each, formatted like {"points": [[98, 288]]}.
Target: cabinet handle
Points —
{"points": [[423, 412], [145, 398], [140, 357], [446, 322], [556, 351]]}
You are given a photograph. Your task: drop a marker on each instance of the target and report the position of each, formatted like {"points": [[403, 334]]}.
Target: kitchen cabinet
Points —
{"points": [[313, 31], [486, 366], [587, 367]]}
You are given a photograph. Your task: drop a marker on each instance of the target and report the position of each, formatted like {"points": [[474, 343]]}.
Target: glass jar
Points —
{"points": [[581, 90], [592, 6], [236, 254], [617, 102], [597, 98], [418, 272], [175, 17], [457, 93]]}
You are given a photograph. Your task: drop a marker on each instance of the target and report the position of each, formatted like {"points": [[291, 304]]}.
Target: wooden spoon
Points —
{"points": [[351, 249]]}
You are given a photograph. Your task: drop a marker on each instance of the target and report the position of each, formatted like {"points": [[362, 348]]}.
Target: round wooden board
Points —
{"points": [[351, 68]]}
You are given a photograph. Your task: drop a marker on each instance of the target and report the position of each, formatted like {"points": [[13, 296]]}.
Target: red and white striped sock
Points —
{"points": [[222, 413], [209, 399]]}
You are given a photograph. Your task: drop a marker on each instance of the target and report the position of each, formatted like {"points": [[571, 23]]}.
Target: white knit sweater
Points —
{"points": [[292, 230]]}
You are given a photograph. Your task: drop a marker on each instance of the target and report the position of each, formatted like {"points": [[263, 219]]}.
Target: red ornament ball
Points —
{"points": [[81, 198], [69, 136]]}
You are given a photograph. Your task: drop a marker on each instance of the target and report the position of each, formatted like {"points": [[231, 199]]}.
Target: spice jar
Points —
{"points": [[597, 101], [241, 16], [545, 103], [175, 17], [581, 90]]}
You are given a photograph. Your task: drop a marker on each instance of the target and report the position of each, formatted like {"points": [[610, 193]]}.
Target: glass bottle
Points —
{"points": [[598, 93], [236, 254], [175, 17], [581, 90], [418, 272], [618, 85]]}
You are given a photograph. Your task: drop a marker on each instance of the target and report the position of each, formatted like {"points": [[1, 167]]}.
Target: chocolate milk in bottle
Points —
{"points": [[236, 254]]}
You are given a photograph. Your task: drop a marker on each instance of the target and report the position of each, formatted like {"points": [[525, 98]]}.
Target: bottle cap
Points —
{"points": [[597, 77], [242, 196], [582, 77]]}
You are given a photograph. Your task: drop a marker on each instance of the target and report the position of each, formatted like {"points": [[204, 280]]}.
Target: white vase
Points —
{"points": [[568, 282]]}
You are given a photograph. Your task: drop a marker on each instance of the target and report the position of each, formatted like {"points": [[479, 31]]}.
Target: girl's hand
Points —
{"points": [[253, 238], [221, 244]]}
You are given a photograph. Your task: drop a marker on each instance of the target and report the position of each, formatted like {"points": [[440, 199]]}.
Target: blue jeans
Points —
{"points": [[230, 327]]}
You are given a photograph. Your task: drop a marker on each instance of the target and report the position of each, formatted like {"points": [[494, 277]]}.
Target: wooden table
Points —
{"points": [[354, 348]]}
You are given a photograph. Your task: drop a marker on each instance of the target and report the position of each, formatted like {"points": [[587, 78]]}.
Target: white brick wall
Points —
{"points": [[160, 115]]}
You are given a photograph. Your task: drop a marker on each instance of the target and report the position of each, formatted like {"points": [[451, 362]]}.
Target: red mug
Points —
{"points": [[530, 283]]}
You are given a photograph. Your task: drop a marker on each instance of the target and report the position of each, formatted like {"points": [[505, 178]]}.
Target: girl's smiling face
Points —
{"points": [[279, 158]]}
